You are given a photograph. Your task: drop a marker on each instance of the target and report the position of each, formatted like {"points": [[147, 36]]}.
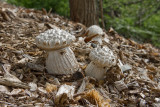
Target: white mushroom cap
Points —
{"points": [[103, 57], [54, 39], [96, 31], [93, 30]]}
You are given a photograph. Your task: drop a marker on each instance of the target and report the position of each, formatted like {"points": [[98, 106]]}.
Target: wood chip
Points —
{"points": [[120, 85], [64, 93]]}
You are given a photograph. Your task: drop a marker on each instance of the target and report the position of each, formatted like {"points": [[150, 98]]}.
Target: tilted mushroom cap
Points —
{"points": [[93, 30], [54, 39], [103, 57]]}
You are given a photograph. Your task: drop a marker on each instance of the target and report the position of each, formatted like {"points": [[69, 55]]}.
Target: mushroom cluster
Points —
{"points": [[61, 59], [101, 60]]}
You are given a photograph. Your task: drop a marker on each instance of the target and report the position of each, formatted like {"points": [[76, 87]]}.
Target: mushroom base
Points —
{"points": [[61, 61], [95, 71]]}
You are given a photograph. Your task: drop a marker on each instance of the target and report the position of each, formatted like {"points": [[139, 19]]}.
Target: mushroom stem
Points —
{"points": [[95, 71], [61, 61]]}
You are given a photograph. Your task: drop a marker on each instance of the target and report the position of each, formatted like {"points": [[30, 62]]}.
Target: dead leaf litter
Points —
{"points": [[24, 81]]}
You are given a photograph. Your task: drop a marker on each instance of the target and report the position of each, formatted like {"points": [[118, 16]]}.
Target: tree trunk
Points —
{"points": [[83, 11], [102, 19]]}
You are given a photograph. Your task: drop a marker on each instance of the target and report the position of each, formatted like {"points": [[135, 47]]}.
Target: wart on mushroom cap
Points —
{"points": [[101, 60], [95, 33], [54, 39], [61, 59]]}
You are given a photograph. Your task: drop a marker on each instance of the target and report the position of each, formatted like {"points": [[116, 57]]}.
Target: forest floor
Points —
{"points": [[24, 81]]}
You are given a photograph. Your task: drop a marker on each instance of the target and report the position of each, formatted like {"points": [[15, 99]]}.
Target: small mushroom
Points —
{"points": [[101, 60], [61, 59], [94, 33]]}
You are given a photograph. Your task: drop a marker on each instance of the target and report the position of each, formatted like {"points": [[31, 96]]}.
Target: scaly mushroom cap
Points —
{"points": [[54, 39], [93, 30], [103, 57]]}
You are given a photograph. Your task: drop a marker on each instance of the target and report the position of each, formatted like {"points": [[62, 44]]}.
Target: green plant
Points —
{"points": [[58, 6], [138, 19]]}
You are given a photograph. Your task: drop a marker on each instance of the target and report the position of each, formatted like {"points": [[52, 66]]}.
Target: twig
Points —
{"points": [[50, 10]]}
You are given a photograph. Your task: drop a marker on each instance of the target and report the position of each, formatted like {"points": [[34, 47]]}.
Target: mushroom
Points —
{"points": [[61, 59], [94, 33], [101, 60]]}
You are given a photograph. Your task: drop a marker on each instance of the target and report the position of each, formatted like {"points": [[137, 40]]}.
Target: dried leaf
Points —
{"points": [[94, 97], [50, 87]]}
